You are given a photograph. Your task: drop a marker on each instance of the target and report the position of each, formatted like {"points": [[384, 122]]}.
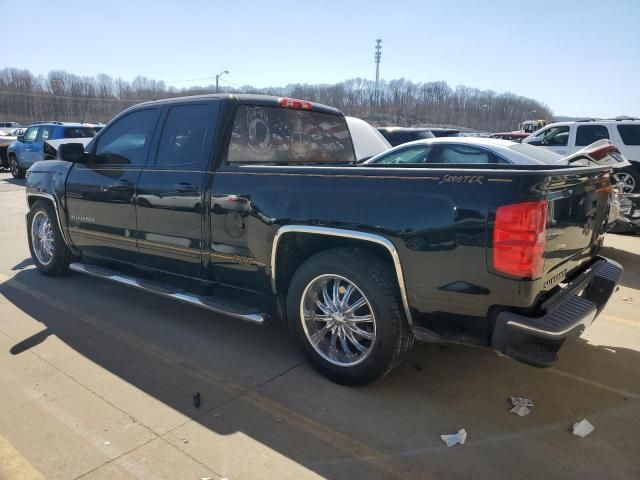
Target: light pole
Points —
{"points": [[218, 77]]}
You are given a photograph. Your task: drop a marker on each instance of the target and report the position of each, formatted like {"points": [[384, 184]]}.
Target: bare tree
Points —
{"points": [[26, 98]]}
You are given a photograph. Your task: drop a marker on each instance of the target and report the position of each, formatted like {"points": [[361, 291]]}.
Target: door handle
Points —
{"points": [[120, 185], [185, 187]]}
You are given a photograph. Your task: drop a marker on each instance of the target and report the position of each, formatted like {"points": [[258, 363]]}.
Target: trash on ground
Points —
{"points": [[521, 410], [518, 401], [521, 406], [196, 400], [455, 438], [582, 428]]}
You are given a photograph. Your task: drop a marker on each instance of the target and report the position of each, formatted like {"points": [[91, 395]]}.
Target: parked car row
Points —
{"points": [[40, 141], [568, 137]]}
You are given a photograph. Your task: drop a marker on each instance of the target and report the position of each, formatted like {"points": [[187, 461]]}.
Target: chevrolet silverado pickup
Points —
{"points": [[255, 207]]}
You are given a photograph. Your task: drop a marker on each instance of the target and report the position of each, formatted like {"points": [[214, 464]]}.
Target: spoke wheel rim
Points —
{"points": [[338, 320], [42, 239], [14, 166], [625, 182]]}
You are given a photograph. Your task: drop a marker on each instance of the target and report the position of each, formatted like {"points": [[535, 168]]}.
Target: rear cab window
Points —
{"points": [[283, 136]]}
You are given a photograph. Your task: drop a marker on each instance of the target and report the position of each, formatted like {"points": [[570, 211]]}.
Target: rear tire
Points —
{"points": [[346, 346], [16, 170], [46, 244]]}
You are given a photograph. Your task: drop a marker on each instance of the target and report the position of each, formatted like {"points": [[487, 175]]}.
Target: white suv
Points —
{"points": [[566, 138]]}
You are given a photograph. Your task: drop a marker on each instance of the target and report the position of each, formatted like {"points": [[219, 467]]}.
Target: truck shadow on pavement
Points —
{"points": [[253, 381], [631, 263], [14, 181]]}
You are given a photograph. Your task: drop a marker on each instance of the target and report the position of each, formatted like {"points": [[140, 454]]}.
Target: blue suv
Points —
{"points": [[40, 142]]}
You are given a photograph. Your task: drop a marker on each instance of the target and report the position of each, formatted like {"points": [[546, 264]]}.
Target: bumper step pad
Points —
{"points": [[536, 339], [533, 354]]}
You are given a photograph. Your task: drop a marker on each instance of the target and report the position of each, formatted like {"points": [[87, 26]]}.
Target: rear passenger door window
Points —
{"points": [[46, 133], [630, 134], [127, 141], [587, 134], [182, 139]]}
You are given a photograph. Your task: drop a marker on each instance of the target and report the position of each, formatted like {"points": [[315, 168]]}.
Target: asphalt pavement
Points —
{"points": [[97, 382]]}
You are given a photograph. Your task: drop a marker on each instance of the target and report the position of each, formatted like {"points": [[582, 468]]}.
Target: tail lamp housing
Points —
{"points": [[519, 237]]}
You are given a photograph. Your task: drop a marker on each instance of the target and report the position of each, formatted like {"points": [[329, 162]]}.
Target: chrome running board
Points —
{"points": [[209, 303]]}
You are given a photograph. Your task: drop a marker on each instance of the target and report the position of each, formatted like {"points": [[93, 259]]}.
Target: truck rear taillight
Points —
{"points": [[519, 235], [295, 104]]}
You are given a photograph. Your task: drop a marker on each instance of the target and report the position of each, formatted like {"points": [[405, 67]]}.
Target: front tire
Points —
{"points": [[628, 179], [48, 248], [345, 312], [14, 166]]}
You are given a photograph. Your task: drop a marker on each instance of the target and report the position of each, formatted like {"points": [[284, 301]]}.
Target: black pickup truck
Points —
{"points": [[254, 207]]}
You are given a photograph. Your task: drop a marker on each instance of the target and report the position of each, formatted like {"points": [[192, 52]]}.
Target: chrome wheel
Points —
{"points": [[15, 168], [42, 240], [338, 320], [625, 182]]}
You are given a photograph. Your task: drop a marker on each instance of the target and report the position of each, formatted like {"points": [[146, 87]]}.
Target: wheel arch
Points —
{"points": [[33, 197], [317, 239]]}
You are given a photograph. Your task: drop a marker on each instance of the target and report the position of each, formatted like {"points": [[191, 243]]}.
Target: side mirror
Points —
{"points": [[535, 141], [20, 138], [72, 152]]}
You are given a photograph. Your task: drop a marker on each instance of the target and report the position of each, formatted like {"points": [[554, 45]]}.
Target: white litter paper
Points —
{"points": [[521, 406], [582, 428], [521, 401], [455, 438], [521, 410]]}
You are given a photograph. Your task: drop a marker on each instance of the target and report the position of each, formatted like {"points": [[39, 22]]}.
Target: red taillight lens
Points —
{"points": [[295, 104], [519, 239]]}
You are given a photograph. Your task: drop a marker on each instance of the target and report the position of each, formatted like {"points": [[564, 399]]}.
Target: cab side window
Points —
{"points": [[555, 136], [467, 154], [406, 156], [47, 133], [182, 139], [31, 135], [127, 141], [587, 134]]}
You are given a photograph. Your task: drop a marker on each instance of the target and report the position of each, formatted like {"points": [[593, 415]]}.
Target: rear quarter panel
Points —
{"points": [[437, 221]]}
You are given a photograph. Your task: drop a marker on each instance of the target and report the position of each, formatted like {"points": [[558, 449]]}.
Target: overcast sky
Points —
{"points": [[579, 57]]}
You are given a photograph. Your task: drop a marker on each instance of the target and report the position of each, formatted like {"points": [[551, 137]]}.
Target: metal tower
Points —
{"points": [[378, 55]]}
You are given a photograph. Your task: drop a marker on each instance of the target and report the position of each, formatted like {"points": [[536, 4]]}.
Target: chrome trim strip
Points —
{"points": [[336, 232], [586, 322], [55, 206], [182, 296]]}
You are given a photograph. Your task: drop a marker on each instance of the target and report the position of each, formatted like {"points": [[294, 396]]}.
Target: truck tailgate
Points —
{"points": [[577, 214]]}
